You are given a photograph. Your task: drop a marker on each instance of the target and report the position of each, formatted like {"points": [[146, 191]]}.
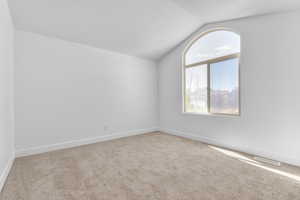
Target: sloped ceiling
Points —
{"points": [[142, 28]]}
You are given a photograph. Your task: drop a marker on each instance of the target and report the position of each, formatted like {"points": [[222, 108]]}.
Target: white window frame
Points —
{"points": [[208, 63]]}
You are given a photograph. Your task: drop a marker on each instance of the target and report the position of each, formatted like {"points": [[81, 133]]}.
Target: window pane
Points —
{"points": [[224, 83], [213, 45], [196, 89]]}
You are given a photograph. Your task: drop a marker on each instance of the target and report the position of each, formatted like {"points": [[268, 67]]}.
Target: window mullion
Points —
{"points": [[208, 87]]}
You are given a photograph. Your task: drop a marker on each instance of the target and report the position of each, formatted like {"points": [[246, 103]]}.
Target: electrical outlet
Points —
{"points": [[105, 128]]}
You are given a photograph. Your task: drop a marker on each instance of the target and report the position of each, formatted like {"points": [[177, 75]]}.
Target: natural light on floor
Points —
{"points": [[252, 162]]}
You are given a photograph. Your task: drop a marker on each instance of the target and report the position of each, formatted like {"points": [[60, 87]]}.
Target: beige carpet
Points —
{"points": [[153, 166]]}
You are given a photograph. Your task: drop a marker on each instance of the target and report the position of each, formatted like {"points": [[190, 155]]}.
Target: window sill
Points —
{"points": [[212, 114]]}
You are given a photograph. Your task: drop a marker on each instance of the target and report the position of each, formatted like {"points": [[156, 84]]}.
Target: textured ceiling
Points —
{"points": [[143, 28]]}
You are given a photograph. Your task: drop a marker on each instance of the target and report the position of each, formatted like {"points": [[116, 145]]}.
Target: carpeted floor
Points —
{"points": [[153, 166]]}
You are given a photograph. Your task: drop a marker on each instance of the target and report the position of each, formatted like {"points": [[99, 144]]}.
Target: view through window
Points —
{"points": [[211, 74]]}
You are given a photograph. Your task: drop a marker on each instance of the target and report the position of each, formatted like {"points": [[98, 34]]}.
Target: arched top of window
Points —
{"points": [[211, 45]]}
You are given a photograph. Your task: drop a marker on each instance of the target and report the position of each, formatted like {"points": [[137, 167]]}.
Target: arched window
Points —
{"points": [[211, 74]]}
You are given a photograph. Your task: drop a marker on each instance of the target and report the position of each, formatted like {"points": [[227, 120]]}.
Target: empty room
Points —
{"points": [[149, 100]]}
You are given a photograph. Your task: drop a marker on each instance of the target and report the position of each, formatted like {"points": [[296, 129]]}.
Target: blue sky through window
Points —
{"points": [[213, 45], [224, 75]]}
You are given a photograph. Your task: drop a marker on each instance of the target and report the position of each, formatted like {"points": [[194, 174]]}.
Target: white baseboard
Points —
{"points": [[273, 155], [80, 142], [6, 171], [75, 143]]}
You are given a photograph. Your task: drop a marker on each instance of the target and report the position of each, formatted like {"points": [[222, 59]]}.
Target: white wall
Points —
{"points": [[270, 93], [6, 91], [67, 91]]}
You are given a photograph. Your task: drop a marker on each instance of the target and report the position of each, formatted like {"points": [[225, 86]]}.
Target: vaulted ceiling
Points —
{"points": [[143, 28]]}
